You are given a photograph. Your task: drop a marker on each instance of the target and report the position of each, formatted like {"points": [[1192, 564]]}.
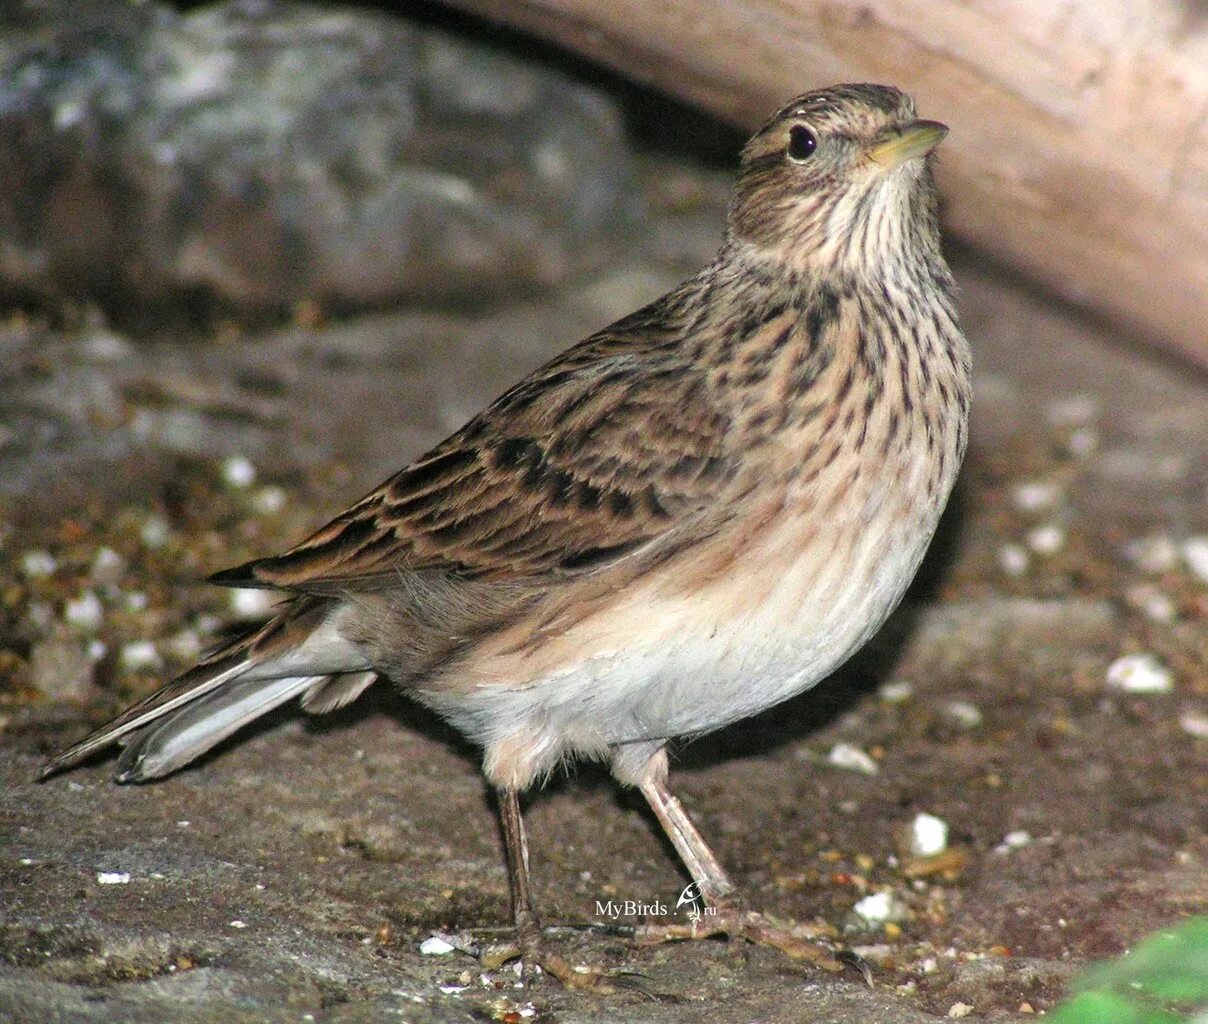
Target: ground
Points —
{"points": [[294, 873]]}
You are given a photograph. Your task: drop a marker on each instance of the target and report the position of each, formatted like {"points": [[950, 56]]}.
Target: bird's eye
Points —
{"points": [[802, 142]]}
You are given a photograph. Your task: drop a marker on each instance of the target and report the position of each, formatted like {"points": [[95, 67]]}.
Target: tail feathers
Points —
{"points": [[290, 655], [201, 724], [333, 692], [184, 688]]}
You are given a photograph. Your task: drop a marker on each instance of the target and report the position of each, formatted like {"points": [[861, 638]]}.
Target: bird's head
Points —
{"points": [[839, 179]]}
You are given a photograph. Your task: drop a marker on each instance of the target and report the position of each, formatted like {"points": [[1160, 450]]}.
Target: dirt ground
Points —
{"points": [[293, 874]]}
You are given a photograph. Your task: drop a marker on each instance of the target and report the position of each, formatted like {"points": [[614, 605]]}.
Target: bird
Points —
{"points": [[687, 518]]}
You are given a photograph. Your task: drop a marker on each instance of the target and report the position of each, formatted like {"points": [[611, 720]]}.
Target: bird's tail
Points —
{"points": [[298, 652]]}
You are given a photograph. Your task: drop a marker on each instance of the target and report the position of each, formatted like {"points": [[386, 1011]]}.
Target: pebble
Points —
{"points": [[881, 908], [897, 691], [135, 601], [1015, 840], [928, 835], [84, 612], [269, 500], [139, 655], [38, 564], [1139, 673], [1013, 559], [252, 604], [852, 758], [1195, 554], [436, 945], [1194, 723], [1047, 539], [238, 472], [1154, 554], [105, 347], [1153, 603], [59, 667], [1035, 495], [108, 566], [185, 644], [1083, 442], [112, 877], [964, 713], [155, 532], [960, 1010]]}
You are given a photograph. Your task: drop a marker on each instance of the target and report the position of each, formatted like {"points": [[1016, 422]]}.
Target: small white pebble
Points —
{"points": [[27, 862], [183, 823], [1154, 554], [104, 347], [1083, 442], [1014, 841], [112, 877], [852, 758], [1194, 723], [96, 650], [1035, 495], [38, 564], [135, 601], [929, 965], [1153, 603], [964, 713], [436, 945], [269, 500], [238, 471], [155, 532], [897, 691], [207, 623], [107, 566], [1139, 673], [1195, 554], [238, 924], [139, 655], [84, 612], [928, 835], [960, 1010], [1013, 559], [1047, 539], [185, 644], [1075, 410], [252, 604], [881, 907]]}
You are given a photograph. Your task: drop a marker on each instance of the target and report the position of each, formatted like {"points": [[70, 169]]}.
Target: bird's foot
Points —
{"points": [[801, 942], [528, 945]]}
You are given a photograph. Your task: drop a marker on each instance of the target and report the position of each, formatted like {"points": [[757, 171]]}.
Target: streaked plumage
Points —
{"points": [[686, 518]]}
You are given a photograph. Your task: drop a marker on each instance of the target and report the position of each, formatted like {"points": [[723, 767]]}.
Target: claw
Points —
{"points": [[850, 958]]}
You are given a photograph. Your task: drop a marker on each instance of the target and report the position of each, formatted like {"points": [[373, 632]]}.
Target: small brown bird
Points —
{"points": [[685, 519]]}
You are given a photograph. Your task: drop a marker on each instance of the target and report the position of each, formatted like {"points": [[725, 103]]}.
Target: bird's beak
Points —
{"points": [[916, 139]]}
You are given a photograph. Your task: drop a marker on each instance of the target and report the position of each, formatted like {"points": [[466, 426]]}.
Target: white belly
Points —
{"points": [[669, 660]]}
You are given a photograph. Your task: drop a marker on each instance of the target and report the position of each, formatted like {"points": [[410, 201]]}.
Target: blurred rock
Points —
{"points": [[263, 154], [59, 667]]}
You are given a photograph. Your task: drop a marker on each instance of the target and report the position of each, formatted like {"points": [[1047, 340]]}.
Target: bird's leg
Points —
{"points": [[527, 943], [516, 854], [725, 912]]}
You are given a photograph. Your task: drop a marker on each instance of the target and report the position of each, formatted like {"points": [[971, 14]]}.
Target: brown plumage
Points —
{"points": [[693, 514]]}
